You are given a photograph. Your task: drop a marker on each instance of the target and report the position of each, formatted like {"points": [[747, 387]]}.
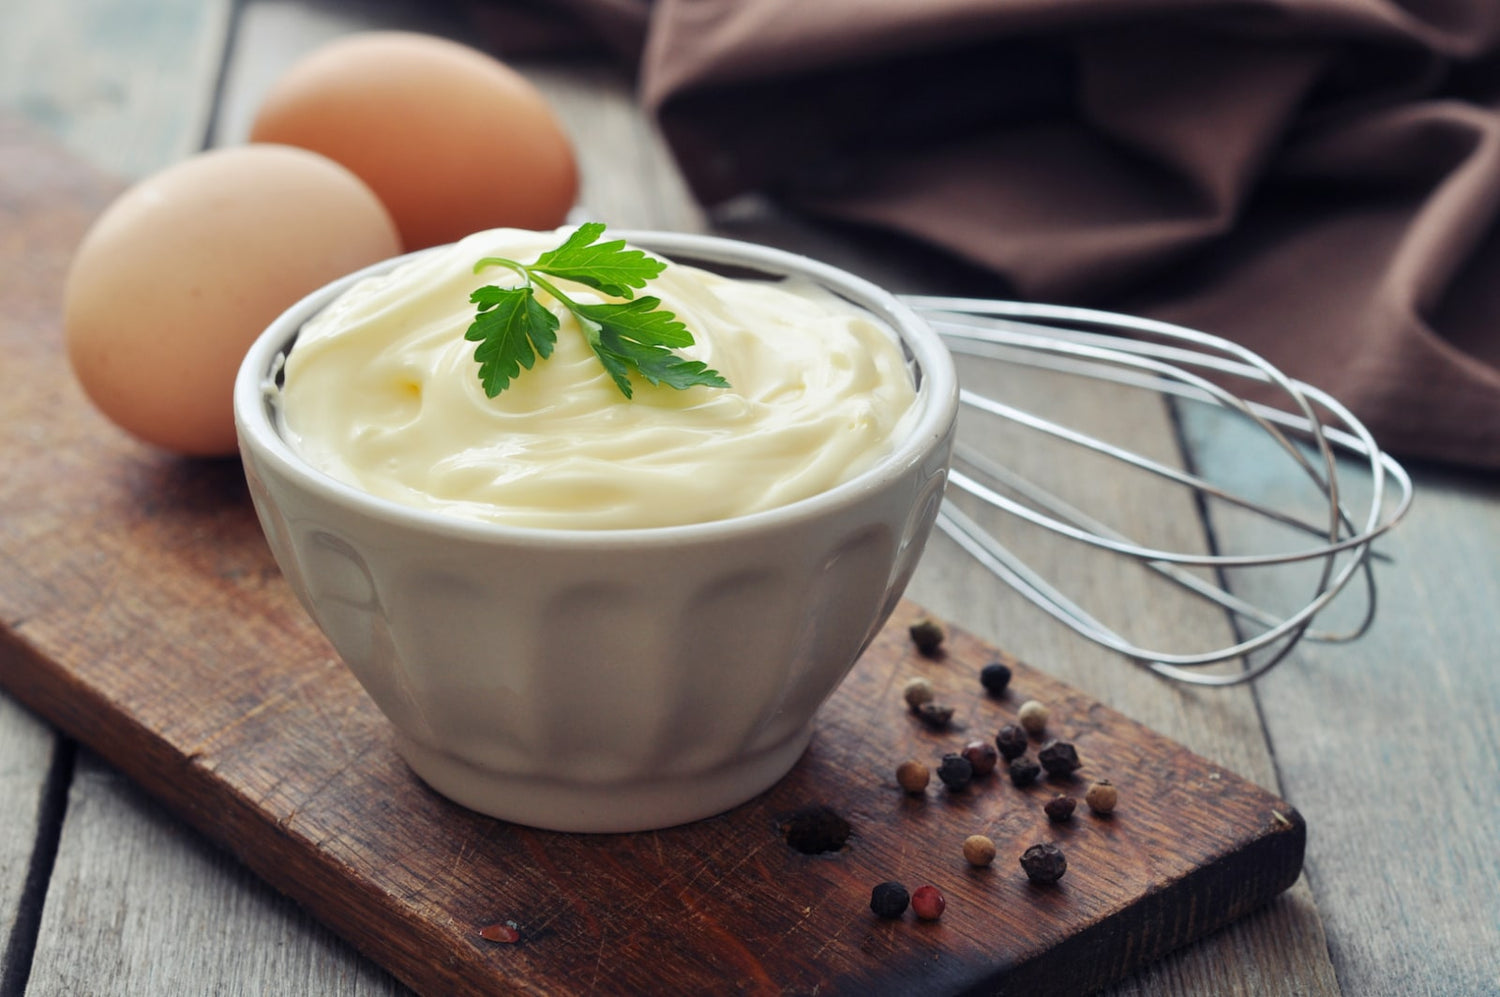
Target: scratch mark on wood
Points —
{"points": [[281, 698], [598, 965]]}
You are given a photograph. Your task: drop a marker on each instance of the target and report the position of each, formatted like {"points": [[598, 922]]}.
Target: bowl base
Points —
{"points": [[605, 808]]}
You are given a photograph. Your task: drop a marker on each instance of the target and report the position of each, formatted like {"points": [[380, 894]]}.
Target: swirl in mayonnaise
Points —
{"points": [[381, 391]]}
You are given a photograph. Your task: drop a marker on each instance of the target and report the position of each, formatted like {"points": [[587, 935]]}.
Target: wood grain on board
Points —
{"points": [[142, 613]]}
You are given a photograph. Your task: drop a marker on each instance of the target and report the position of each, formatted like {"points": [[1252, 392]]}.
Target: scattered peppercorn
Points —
{"points": [[1044, 863], [979, 850], [933, 715], [1059, 758], [913, 776], [955, 771], [994, 676], [1060, 808], [1023, 771], [928, 635], [918, 691], [982, 756], [927, 903], [816, 829], [1032, 717], [1011, 741], [889, 900], [1102, 797], [505, 932]]}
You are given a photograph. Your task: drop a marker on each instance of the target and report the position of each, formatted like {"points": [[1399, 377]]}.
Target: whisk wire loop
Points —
{"points": [[1181, 363]]}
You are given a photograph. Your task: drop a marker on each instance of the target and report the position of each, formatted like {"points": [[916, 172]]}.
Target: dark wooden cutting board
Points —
{"points": [[140, 612]]}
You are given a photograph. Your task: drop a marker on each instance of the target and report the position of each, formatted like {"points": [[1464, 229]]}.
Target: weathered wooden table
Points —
{"points": [[1390, 747]]}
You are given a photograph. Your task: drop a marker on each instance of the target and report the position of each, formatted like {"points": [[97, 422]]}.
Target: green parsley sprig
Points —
{"points": [[635, 336]]}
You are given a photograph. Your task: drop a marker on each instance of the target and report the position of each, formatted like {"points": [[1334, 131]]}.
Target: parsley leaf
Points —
{"points": [[635, 336], [510, 325], [657, 364], [604, 266], [640, 320]]}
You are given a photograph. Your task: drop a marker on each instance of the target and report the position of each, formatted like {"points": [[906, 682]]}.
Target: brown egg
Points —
{"points": [[180, 274], [451, 140]]}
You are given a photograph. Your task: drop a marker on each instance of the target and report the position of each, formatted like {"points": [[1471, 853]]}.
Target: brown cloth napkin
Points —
{"points": [[1318, 179]]}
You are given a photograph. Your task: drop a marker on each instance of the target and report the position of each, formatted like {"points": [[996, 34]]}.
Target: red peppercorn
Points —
{"points": [[504, 932], [982, 756], [927, 903]]}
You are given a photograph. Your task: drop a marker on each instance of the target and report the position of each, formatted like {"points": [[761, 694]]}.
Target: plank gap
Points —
{"points": [[232, 21], [1212, 545], [21, 945], [1194, 467]]}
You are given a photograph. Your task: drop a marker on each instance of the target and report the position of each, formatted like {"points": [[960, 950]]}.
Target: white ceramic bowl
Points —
{"points": [[604, 680]]}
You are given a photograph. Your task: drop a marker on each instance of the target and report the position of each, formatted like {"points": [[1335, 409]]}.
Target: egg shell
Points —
{"points": [[178, 276], [452, 140]]}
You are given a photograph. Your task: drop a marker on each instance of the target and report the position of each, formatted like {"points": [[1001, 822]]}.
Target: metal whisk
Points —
{"points": [[1184, 364]]}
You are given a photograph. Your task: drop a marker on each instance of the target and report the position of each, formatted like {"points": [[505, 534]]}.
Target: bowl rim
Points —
{"points": [[937, 401]]}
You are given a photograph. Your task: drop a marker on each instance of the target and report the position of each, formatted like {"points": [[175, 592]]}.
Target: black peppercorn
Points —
{"points": [[1023, 771], [1011, 741], [955, 771], [1058, 758], [1044, 863], [889, 900], [1060, 808], [934, 715], [927, 635], [816, 829], [983, 756], [928, 903], [994, 677]]}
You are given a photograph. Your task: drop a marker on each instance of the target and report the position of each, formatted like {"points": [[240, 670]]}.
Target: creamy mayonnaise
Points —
{"points": [[381, 391]]}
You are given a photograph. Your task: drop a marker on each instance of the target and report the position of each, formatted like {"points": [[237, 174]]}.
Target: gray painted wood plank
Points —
{"points": [[26, 747], [127, 84], [140, 904], [1388, 745]]}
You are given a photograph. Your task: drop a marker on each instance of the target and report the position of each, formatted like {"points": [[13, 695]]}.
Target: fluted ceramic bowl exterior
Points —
{"points": [[604, 680]]}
